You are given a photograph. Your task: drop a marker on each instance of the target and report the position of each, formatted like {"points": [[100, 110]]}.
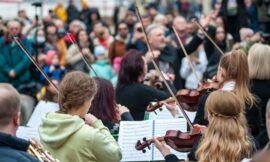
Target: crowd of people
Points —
{"points": [[102, 74]]}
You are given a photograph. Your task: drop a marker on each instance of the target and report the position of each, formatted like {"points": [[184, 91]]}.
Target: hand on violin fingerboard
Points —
{"points": [[200, 128], [162, 147]]}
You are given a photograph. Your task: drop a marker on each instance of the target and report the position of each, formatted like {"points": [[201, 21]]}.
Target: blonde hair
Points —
{"points": [[259, 62], [227, 138], [236, 66]]}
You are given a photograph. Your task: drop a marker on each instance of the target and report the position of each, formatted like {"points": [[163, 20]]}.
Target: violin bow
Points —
{"points": [[16, 39], [157, 68], [185, 52], [211, 40], [83, 57]]}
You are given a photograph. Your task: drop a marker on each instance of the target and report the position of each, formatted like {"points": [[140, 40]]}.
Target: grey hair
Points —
{"points": [[150, 29]]}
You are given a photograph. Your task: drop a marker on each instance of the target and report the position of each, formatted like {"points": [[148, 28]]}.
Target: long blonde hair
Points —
{"points": [[236, 66], [258, 59], [227, 138]]}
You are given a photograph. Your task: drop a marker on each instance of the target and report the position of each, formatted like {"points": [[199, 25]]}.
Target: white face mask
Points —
{"points": [[40, 39]]}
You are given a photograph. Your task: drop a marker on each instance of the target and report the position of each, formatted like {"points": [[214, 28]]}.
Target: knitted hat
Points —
{"points": [[49, 56], [99, 50]]}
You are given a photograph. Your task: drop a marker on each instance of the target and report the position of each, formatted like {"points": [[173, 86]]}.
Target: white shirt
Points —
{"points": [[228, 86]]}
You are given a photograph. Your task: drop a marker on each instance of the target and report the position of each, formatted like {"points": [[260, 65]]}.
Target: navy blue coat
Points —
{"points": [[13, 149]]}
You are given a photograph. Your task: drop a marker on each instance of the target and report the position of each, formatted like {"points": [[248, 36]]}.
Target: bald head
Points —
{"points": [[180, 23], [9, 103], [14, 27]]}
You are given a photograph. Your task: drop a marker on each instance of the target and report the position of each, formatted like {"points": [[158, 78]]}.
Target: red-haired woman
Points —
{"points": [[105, 108], [130, 91]]}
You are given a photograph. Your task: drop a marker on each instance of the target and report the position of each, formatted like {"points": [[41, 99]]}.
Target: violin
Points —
{"points": [[157, 105], [208, 85], [187, 137], [179, 141], [191, 97], [153, 79]]}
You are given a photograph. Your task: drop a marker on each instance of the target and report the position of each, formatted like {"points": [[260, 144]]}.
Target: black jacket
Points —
{"points": [[13, 149], [252, 116], [261, 90], [174, 57], [137, 96], [171, 158]]}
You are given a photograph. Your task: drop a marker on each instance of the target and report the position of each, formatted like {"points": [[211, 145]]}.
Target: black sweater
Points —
{"points": [[261, 90], [174, 57], [252, 116], [137, 96]]}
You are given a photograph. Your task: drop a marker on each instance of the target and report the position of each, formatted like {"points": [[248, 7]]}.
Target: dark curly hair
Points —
{"points": [[75, 89]]}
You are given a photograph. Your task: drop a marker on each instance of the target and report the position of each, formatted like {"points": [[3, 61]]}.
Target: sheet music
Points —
{"points": [[130, 132], [27, 133], [41, 108], [162, 113], [191, 115], [161, 126]]}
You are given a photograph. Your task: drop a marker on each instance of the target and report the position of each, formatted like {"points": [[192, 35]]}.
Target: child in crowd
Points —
{"points": [[102, 66], [53, 68]]}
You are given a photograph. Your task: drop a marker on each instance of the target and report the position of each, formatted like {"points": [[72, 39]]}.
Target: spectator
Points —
{"points": [[60, 25], [14, 64], [74, 28], [22, 16], [53, 68], [55, 42], [136, 40], [252, 15], [118, 47], [102, 66], [103, 37], [116, 69], [84, 13], [93, 18], [84, 47], [130, 21], [180, 25], [151, 10], [60, 11], [199, 62], [263, 15], [72, 12], [212, 53], [38, 42], [3, 29], [235, 17], [145, 20]]}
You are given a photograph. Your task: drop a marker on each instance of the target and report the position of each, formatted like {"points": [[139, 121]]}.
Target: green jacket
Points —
{"points": [[69, 139], [12, 57]]}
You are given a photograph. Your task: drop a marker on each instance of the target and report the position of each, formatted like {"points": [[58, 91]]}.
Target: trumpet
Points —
{"points": [[41, 154]]}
